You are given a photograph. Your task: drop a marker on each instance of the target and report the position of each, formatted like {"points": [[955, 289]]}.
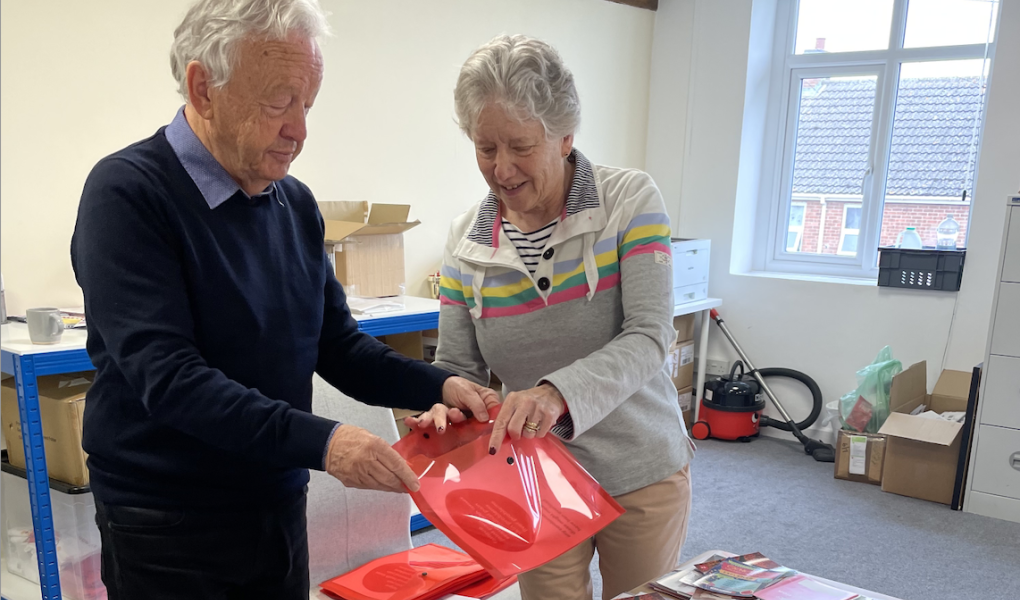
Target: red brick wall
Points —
{"points": [[897, 217]]}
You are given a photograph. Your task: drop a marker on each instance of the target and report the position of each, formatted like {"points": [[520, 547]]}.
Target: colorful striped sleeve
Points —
{"points": [[451, 288], [646, 233]]}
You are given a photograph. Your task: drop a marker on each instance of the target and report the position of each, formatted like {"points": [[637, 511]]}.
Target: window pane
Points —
{"points": [[831, 154], [797, 215], [950, 22], [853, 218], [849, 244], [936, 129], [843, 25], [791, 241]]}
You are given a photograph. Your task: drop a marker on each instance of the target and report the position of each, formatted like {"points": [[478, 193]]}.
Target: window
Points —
{"points": [[795, 231], [850, 230], [879, 106]]}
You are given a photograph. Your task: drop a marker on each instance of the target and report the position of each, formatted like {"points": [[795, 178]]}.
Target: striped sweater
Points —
{"points": [[595, 320]]}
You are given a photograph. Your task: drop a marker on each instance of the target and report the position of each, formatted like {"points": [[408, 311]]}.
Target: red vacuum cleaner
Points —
{"points": [[731, 408]]}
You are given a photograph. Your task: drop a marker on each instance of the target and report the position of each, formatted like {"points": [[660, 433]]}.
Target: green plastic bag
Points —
{"points": [[866, 408]]}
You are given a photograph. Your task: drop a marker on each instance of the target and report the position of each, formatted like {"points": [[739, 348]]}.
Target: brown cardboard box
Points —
{"points": [[686, 399], [61, 405], [368, 246], [922, 454], [859, 456], [684, 326], [681, 363]]}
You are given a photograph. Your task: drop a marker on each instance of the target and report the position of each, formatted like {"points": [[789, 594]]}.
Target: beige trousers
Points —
{"points": [[639, 546]]}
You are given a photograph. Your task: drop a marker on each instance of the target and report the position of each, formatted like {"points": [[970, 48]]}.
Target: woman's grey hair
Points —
{"points": [[211, 30], [526, 76]]}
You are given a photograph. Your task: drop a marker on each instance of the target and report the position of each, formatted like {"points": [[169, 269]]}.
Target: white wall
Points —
{"points": [[82, 79], [669, 89], [827, 330]]}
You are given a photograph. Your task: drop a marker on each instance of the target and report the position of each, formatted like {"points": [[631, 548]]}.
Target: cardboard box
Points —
{"points": [[684, 326], [367, 246], [859, 456], [921, 455], [61, 406], [680, 361], [686, 399]]}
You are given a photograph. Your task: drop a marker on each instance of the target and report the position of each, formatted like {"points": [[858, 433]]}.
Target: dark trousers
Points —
{"points": [[242, 553]]}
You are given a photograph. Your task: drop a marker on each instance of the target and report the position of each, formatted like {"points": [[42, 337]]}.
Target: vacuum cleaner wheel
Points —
{"points": [[700, 430]]}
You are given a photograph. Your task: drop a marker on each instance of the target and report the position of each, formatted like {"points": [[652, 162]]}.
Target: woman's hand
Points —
{"points": [[460, 398], [528, 414]]}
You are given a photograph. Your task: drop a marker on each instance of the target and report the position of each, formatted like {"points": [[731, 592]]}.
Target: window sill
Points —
{"points": [[868, 281]]}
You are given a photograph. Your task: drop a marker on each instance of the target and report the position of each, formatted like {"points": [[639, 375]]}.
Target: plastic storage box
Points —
{"points": [[78, 544], [925, 269]]}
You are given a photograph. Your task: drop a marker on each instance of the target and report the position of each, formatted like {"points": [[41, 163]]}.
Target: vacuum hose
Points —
{"points": [[816, 395]]}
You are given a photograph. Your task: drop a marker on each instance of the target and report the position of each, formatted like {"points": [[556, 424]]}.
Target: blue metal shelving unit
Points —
{"points": [[27, 367]]}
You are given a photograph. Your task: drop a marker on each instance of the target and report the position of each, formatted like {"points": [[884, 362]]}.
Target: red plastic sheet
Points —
{"points": [[423, 573], [513, 511]]}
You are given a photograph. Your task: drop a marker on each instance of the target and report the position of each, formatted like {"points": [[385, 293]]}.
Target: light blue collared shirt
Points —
{"points": [[216, 185]]}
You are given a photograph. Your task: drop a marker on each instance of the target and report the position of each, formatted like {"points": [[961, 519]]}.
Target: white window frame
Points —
{"points": [[794, 229], [843, 230], [783, 108]]}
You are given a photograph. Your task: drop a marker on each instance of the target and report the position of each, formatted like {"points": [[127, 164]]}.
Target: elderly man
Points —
{"points": [[211, 303]]}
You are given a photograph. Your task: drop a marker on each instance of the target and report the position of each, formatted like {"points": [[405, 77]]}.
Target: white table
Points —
{"points": [[704, 307]]}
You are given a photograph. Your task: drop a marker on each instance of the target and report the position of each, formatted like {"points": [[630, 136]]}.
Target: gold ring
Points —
{"points": [[531, 426]]}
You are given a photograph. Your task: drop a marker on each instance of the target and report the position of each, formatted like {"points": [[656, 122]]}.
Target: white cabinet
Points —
{"points": [[1011, 259], [997, 464], [1006, 326], [1001, 398], [993, 480]]}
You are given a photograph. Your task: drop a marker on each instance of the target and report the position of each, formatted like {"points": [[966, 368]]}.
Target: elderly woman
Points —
{"points": [[560, 282]]}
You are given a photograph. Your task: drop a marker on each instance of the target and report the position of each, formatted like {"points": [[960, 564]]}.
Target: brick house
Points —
{"points": [[931, 163]]}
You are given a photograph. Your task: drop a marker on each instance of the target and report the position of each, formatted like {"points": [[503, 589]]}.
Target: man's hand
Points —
{"points": [[462, 395], [460, 399], [360, 459], [528, 414]]}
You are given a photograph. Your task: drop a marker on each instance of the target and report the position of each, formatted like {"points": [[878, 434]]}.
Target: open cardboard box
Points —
{"points": [[921, 455], [367, 245]]}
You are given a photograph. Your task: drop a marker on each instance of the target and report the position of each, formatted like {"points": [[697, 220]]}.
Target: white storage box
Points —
{"points": [[78, 544], [690, 269]]}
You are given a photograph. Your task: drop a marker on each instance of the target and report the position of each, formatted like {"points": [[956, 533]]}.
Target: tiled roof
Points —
{"points": [[933, 145]]}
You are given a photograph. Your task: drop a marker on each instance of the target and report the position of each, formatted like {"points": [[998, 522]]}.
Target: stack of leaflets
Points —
{"points": [[746, 576]]}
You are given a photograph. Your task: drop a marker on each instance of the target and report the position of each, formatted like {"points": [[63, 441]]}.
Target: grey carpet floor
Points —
{"points": [[769, 496]]}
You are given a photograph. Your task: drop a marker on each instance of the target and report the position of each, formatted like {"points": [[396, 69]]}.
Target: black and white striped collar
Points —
{"points": [[583, 196]]}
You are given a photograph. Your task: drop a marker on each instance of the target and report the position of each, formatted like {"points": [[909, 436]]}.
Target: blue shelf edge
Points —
{"points": [[401, 324], [419, 522]]}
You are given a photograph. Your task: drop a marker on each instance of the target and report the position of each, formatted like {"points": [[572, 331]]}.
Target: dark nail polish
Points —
{"points": [[492, 451], [440, 430]]}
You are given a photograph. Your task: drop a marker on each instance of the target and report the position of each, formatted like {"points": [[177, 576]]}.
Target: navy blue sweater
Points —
{"points": [[205, 326]]}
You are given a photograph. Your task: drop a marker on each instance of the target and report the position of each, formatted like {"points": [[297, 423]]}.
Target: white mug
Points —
{"points": [[45, 325]]}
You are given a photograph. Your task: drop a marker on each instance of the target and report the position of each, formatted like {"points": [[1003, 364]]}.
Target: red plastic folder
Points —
{"points": [[423, 573], [512, 511]]}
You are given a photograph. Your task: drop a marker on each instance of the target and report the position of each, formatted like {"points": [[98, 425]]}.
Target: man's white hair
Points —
{"points": [[211, 30], [524, 75]]}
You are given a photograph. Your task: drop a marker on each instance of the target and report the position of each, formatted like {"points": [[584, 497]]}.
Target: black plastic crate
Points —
{"points": [[921, 269]]}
